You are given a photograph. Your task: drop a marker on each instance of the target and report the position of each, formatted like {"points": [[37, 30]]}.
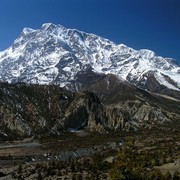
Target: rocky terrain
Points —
{"points": [[74, 105], [41, 110]]}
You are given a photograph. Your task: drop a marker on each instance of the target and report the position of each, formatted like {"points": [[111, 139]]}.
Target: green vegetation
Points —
{"points": [[131, 163]]}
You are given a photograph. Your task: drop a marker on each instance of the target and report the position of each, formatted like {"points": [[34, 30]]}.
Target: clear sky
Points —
{"points": [[147, 24]]}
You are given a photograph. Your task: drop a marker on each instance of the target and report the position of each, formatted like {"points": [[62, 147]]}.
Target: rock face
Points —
{"points": [[27, 110], [41, 110], [128, 107], [86, 111], [56, 55]]}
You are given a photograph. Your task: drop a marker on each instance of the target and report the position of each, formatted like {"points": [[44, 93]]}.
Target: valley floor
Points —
{"points": [[87, 155]]}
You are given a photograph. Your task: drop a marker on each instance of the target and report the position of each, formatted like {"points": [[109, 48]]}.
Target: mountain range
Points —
{"points": [[55, 79], [54, 54]]}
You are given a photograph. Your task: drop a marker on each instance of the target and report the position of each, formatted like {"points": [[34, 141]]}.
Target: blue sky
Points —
{"points": [[148, 24]]}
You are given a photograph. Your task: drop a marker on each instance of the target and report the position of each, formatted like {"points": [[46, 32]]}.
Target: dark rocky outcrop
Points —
{"points": [[86, 111]]}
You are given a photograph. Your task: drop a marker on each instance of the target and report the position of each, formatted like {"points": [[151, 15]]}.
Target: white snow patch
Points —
{"points": [[28, 30], [162, 81]]}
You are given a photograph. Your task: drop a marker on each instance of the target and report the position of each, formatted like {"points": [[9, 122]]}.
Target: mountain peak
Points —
{"points": [[26, 30], [122, 45], [51, 26], [148, 54], [45, 26]]}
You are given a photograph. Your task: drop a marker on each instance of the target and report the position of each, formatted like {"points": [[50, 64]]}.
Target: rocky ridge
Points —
{"points": [[41, 110]]}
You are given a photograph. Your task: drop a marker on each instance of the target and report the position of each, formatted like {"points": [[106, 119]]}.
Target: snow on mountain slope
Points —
{"points": [[54, 54]]}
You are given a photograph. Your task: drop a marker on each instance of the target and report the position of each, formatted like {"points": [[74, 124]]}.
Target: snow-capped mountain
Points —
{"points": [[55, 54]]}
